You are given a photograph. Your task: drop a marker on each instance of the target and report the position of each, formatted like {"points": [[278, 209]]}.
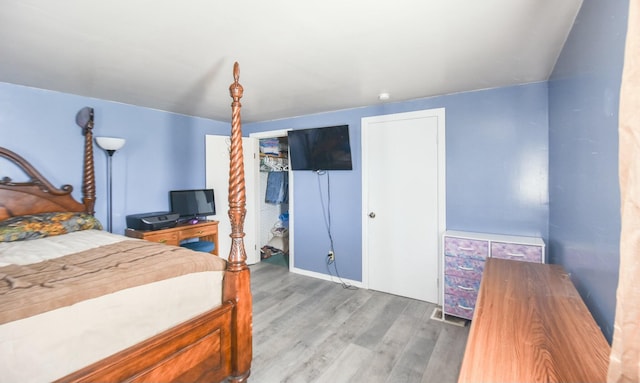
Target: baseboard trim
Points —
{"points": [[326, 277]]}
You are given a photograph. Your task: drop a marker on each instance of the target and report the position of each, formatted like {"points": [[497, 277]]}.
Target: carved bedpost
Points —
{"points": [[237, 193], [237, 284], [89, 177]]}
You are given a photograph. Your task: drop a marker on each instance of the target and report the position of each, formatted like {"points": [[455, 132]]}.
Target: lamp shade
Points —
{"points": [[110, 143]]}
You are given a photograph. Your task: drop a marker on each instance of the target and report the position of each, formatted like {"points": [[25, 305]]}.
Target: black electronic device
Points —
{"points": [[152, 221], [190, 204], [318, 149]]}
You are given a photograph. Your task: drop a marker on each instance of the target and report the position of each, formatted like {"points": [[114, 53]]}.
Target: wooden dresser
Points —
{"points": [[531, 325], [204, 230]]}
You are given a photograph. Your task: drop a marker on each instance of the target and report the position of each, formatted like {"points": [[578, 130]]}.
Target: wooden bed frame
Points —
{"points": [[215, 346]]}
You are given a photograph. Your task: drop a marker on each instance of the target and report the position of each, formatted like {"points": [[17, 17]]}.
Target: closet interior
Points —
{"points": [[274, 207]]}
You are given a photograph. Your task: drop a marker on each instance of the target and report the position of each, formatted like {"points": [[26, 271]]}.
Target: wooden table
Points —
{"points": [[531, 325]]}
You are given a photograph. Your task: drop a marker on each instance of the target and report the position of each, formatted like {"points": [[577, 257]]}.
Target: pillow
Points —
{"points": [[45, 225]]}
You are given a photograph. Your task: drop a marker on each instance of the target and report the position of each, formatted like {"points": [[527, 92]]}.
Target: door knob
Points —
{"points": [[372, 215]]}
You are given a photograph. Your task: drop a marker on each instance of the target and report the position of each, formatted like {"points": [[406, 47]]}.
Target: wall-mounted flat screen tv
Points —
{"points": [[319, 149], [192, 203]]}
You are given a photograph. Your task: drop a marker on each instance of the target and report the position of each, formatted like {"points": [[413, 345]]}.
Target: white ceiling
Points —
{"points": [[296, 57]]}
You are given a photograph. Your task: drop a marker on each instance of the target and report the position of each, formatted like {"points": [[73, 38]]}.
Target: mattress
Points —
{"points": [[52, 344]]}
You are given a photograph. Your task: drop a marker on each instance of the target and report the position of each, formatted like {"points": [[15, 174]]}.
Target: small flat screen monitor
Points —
{"points": [[194, 203]]}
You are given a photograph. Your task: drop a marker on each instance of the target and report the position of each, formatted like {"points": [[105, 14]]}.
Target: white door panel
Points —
{"points": [[401, 193]]}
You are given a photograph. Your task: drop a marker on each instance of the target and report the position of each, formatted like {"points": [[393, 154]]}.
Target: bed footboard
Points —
{"points": [[198, 350]]}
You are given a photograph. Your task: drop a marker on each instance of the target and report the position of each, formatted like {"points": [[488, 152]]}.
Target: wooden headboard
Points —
{"points": [[37, 195]]}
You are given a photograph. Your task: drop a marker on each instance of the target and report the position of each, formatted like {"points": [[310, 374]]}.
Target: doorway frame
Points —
{"points": [[365, 122], [256, 174]]}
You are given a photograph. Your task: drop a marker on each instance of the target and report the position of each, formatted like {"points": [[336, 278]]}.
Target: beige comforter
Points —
{"points": [[27, 290]]}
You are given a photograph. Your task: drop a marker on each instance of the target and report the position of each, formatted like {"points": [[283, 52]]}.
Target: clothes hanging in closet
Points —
{"points": [[277, 188]]}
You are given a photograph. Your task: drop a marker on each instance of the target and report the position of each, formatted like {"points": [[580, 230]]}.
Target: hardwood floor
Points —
{"points": [[310, 330]]}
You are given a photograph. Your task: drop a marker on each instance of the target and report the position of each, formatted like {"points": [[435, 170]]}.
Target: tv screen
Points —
{"points": [[317, 149], [192, 203]]}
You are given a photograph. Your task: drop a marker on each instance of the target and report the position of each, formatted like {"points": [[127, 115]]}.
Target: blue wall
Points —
{"points": [[584, 221], [496, 153], [497, 167], [163, 151]]}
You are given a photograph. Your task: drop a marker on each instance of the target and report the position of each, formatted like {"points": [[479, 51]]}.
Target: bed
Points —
{"points": [[76, 306]]}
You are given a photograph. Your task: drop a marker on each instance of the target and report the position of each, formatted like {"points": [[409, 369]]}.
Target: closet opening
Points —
{"points": [[274, 200]]}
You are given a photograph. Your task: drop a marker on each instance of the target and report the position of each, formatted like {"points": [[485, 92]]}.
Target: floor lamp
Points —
{"points": [[109, 145]]}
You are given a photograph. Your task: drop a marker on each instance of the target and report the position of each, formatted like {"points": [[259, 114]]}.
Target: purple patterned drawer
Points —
{"points": [[518, 252], [459, 306], [462, 287], [464, 267], [457, 247]]}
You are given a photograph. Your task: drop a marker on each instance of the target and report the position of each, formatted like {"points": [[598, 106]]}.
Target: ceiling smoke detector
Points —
{"points": [[384, 96]]}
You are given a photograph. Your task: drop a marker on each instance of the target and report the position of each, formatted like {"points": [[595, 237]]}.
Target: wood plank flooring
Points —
{"points": [[309, 330]]}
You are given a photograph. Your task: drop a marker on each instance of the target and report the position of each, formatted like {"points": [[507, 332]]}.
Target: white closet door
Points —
{"points": [[217, 178], [402, 177]]}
